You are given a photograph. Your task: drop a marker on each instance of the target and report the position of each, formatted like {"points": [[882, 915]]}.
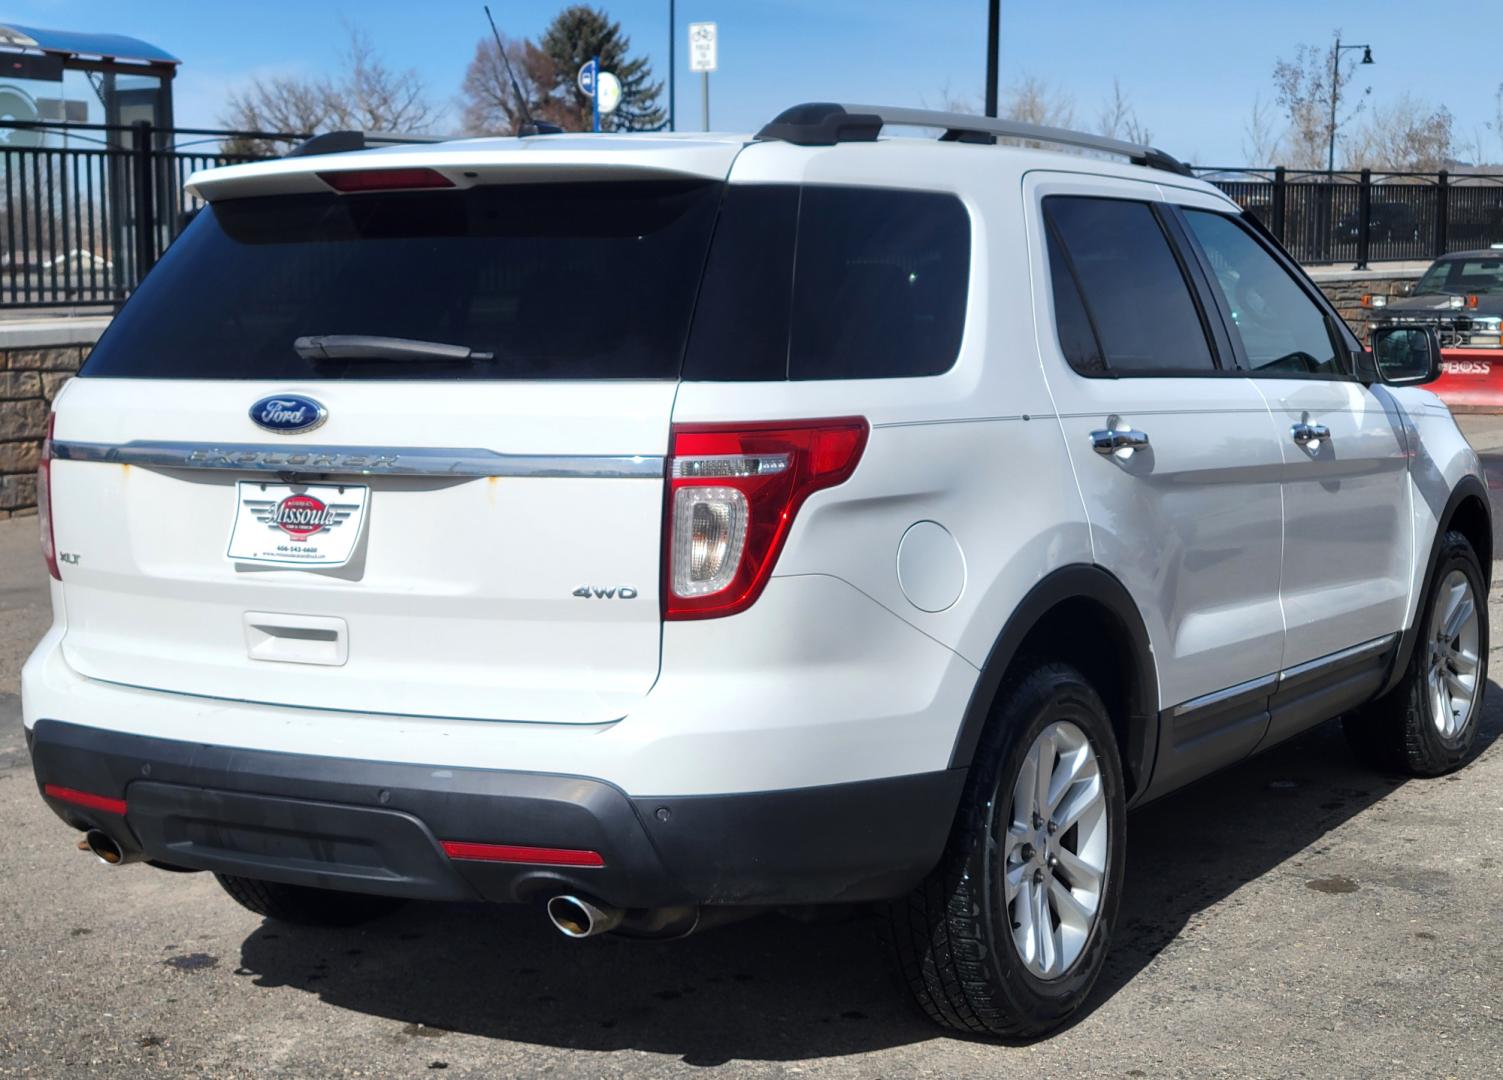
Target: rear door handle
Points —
{"points": [[1311, 434], [1109, 442]]}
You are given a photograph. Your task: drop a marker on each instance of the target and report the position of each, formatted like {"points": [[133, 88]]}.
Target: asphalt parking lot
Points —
{"points": [[1297, 916]]}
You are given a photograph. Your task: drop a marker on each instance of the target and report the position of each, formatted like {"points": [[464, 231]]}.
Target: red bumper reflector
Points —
{"points": [[513, 853], [83, 798]]}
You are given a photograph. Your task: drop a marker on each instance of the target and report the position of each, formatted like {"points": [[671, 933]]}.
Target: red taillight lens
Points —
{"points": [[355, 180], [733, 491], [44, 501]]}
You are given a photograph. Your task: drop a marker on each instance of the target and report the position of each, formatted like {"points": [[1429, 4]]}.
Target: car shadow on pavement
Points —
{"points": [[777, 990], [1192, 849]]}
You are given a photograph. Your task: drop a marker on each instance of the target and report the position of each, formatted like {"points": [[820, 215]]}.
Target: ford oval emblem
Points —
{"points": [[288, 414]]}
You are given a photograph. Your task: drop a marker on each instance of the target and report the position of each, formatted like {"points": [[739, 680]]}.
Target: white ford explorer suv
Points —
{"points": [[656, 529]]}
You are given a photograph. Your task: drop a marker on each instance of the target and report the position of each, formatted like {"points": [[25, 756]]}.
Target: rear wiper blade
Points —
{"points": [[376, 347]]}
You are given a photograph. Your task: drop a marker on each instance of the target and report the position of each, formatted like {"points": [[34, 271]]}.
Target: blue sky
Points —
{"points": [[1191, 69]]}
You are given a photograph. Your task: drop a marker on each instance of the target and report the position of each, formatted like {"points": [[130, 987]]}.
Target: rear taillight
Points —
{"points": [[44, 500], [733, 491]]}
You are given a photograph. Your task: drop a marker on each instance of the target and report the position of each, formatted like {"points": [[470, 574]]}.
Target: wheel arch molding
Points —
{"points": [[1125, 675], [1469, 512]]}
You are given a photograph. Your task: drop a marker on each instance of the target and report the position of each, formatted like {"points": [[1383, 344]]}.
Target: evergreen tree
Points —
{"points": [[580, 32]]}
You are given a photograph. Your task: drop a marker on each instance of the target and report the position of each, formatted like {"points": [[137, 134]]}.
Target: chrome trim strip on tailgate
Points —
{"points": [[418, 461]]}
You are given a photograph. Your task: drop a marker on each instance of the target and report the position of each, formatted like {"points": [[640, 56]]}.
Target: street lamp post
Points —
{"points": [[1336, 51], [672, 45], [993, 19]]}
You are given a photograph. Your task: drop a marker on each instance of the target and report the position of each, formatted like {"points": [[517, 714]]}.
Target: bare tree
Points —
{"points": [[1497, 124], [376, 97], [1307, 88], [1260, 143], [1474, 148], [367, 95], [1118, 118], [1030, 100], [1408, 135], [490, 102], [280, 104], [949, 101], [1033, 100]]}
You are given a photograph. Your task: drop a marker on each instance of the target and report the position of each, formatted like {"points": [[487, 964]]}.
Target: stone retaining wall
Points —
{"points": [[29, 380], [1346, 293]]}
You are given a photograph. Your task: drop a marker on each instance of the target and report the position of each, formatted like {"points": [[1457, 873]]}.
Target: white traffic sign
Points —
{"points": [[610, 93], [703, 51]]}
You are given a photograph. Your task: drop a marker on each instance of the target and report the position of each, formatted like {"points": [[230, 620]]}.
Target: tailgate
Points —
{"points": [[461, 596]]}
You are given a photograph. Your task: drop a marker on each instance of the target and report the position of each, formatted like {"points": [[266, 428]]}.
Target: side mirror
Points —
{"points": [[1406, 355], [1405, 288]]}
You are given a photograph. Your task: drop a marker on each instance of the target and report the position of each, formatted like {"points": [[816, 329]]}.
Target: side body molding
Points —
{"points": [[1076, 582]]}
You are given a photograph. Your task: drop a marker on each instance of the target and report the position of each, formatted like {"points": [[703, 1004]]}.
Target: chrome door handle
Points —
{"points": [[1109, 442], [1311, 434]]}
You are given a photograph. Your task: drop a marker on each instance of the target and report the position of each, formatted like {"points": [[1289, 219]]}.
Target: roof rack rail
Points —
{"points": [[341, 142], [826, 123]]}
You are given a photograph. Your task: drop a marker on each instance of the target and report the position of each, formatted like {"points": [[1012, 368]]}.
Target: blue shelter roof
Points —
{"points": [[75, 43]]}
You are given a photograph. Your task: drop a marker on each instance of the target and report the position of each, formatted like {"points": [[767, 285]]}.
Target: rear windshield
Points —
{"points": [[558, 281], [1458, 276], [543, 281]]}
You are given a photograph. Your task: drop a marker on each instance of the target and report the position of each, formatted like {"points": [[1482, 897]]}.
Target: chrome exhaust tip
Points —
{"points": [[103, 848], [575, 917]]}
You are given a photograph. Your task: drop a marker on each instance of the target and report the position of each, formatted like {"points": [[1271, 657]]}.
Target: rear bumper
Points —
{"points": [[379, 827]]}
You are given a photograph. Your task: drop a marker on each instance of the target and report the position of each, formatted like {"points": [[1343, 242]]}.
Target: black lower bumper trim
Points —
{"points": [[368, 826]]}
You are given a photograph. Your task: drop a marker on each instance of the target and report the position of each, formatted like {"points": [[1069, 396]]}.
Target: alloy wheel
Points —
{"points": [[1451, 674], [1055, 850]]}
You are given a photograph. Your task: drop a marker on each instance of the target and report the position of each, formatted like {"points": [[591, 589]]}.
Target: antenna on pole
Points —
{"points": [[531, 126]]}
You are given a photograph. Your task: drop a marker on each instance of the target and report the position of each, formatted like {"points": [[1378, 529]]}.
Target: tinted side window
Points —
{"points": [[1077, 339], [879, 284], [1132, 285], [832, 283], [741, 322], [1281, 328]]}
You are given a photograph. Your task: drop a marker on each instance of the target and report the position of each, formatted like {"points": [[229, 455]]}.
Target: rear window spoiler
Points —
{"points": [[514, 161]]}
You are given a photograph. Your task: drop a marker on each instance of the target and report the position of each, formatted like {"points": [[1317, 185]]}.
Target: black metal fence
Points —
{"points": [[88, 208], [1366, 216]]}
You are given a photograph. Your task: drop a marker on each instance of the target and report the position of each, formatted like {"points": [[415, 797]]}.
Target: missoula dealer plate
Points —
{"points": [[297, 524]]}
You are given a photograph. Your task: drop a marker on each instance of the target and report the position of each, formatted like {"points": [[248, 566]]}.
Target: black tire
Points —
{"points": [[1398, 732], [952, 938], [306, 906]]}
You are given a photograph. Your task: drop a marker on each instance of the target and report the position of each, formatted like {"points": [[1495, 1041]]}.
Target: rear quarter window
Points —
{"points": [[832, 283]]}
